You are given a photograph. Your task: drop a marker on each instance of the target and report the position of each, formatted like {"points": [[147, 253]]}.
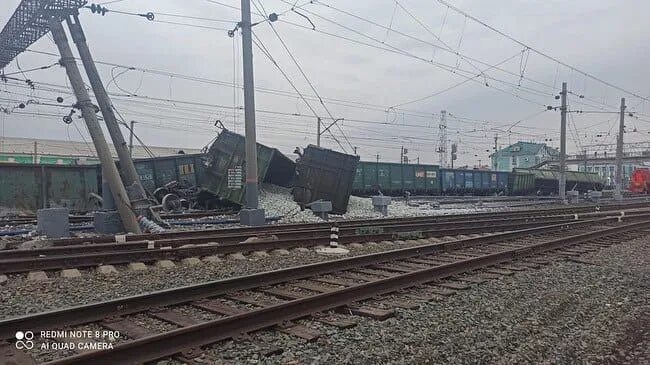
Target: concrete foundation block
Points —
{"points": [[191, 261], [108, 222], [137, 266], [165, 264], [280, 252], [259, 254], [3, 279], [106, 270], [321, 208], [236, 256], [53, 222], [380, 200], [381, 203], [212, 259], [333, 251], [70, 273], [252, 217], [37, 276]]}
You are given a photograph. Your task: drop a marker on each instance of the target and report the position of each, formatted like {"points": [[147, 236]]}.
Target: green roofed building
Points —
{"points": [[522, 155]]}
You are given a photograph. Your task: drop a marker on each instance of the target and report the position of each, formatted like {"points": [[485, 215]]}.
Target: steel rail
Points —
{"points": [[144, 254], [174, 341], [445, 228], [369, 222], [122, 306], [119, 254]]}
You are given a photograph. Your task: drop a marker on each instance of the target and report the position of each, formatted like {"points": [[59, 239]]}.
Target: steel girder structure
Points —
{"points": [[29, 23]]}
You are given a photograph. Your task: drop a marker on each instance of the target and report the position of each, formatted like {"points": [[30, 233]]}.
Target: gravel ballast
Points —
{"points": [[19, 297], [564, 313]]}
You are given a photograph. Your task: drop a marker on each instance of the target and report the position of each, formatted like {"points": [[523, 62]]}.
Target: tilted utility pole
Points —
{"points": [[318, 131], [251, 215], [131, 178], [88, 112], [618, 194], [563, 111]]}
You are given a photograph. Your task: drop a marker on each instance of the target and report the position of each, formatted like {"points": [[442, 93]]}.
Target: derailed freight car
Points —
{"points": [[225, 167], [323, 174]]}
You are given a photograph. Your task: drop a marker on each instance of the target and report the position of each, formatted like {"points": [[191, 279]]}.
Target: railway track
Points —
{"points": [[31, 219], [210, 243], [269, 229], [268, 300]]}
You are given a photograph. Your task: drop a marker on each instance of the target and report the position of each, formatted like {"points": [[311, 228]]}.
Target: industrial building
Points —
{"points": [[522, 155]]}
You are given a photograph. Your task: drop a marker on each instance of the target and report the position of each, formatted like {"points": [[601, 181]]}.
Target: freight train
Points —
{"points": [[318, 173], [396, 179]]}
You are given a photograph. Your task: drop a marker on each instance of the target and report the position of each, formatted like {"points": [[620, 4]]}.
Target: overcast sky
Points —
{"points": [[361, 70]]}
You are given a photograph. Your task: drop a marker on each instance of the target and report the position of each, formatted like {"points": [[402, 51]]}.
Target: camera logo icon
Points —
{"points": [[24, 340]]}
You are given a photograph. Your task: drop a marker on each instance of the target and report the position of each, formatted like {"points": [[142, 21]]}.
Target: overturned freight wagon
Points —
{"points": [[547, 181], [225, 167], [324, 174]]}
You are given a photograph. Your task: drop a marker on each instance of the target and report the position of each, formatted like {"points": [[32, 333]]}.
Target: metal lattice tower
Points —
{"points": [[29, 23], [442, 144]]}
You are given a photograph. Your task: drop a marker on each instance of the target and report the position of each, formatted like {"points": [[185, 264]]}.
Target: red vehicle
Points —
{"points": [[640, 181]]}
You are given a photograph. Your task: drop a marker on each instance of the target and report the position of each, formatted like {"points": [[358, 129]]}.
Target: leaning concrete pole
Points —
{"points": [[88, 113], [251, 215], [129, 174]]}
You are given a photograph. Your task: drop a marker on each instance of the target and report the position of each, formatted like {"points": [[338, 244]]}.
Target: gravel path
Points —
{"points": [[565, 313]]}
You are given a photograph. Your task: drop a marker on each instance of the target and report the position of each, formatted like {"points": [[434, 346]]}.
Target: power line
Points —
{"points": [[311, 85], [539, 52]]}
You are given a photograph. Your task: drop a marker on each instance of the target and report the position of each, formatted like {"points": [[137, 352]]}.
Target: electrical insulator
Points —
{"points": [[98, 9]]}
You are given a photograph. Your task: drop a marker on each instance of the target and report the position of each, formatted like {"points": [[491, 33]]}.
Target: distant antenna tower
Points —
{"points": [[442, 146]]}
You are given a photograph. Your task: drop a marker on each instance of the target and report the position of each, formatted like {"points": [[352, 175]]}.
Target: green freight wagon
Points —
{"points": [[31, 187], [158, 171], [547, 181], [225, 167], [325, 174], [521, 183], [395, 178]]}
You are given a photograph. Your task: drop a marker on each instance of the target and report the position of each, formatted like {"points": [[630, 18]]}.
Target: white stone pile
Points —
{"points": [[277, 201]]}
